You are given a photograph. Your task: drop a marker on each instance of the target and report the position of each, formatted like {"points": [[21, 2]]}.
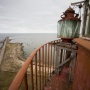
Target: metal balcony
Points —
{"points": [[45, 62]]}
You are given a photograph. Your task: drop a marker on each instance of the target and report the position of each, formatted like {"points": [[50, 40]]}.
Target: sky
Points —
{"points": [[31, 16]]}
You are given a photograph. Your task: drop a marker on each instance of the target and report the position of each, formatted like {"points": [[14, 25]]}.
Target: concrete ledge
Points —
{"points": [[3, 50]]}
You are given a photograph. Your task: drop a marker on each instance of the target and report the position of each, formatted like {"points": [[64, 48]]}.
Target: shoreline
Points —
{"points": [[13, 57], [11, 63]]}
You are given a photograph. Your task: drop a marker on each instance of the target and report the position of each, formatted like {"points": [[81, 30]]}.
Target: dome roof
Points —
{"points": [[70, 10]]}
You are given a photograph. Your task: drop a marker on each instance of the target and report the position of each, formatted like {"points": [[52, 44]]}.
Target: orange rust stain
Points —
{"points": [[82, 70]]}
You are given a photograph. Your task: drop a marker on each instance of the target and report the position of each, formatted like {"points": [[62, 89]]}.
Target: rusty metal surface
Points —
{"points": [[70, 14], [67, 40], [60, 82], [44, 54], [39, 71], [82, 69], [36, 71], [25, 81], [84, 43], [32, 81], [15, 85], [42, 68], [66, 52]]}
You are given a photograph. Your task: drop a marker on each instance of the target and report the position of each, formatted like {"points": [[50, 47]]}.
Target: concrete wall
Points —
{"points": [[3, 50], [82, 69]]}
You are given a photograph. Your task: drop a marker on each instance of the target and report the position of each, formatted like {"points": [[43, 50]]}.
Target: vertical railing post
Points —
{"points": [[43, 68], [61, 55], [48, 57], [32, 82], [26, 81], [39, 69], [57, 59], [45, 61], [54, 56], [36, 71]]}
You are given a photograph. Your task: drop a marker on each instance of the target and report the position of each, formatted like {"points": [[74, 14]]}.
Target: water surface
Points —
{"points": [[30, 41]]}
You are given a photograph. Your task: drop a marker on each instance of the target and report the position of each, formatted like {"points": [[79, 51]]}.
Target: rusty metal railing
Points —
{"points": [[36, 69]]}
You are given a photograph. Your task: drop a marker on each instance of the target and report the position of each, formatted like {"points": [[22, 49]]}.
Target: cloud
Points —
{"points": [[31, 15]]}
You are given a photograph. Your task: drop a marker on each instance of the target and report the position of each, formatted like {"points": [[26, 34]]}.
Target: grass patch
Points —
{"points": [[6, 79]]}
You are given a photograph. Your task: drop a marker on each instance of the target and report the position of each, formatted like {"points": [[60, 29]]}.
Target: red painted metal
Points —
{"points": [[53, 57], [32, 81], [15, 85], [84, 43], [43, 68], [39, 70], [70, 14], [67, 40], [36, 72], [59, 82], [45, 61], [82, 69], [48, 57], [25, 81]]}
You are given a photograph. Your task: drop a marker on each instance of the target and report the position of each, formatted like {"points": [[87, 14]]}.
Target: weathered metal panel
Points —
{"points": [[68, 29], [82, 69]]}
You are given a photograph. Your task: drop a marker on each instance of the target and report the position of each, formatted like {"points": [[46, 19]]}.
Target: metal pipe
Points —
{"points": [[36, 71], [43, 67], [32, 82], [15, 85], [25, 81], [39, 69], [53, 56], [45, 61], [61, 55], [48, 57]]}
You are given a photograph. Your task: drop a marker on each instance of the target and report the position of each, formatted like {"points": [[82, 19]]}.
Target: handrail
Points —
{"points": [[15, 85]]}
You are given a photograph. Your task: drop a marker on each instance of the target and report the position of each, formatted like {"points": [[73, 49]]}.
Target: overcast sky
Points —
{"points": [[31, 16]]}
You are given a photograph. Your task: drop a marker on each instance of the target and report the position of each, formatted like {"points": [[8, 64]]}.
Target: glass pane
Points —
{"points": [[68, 29]]}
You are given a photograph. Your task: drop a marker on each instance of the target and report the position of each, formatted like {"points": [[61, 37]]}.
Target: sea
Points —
{"points": [[30, 41]]}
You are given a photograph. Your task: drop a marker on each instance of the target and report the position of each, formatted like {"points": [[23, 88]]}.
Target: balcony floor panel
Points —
{"points": [[60, 82]]}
